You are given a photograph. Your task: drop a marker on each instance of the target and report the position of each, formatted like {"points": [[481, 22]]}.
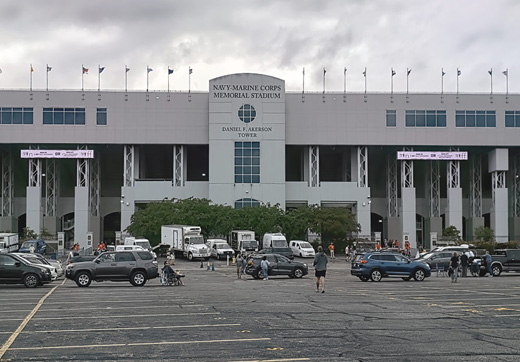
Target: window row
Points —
{"points": [[12, 115], [468, 119]]}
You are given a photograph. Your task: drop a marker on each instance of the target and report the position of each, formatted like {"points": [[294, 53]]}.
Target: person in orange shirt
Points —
{"points": [[101, 247], [331, 249]]}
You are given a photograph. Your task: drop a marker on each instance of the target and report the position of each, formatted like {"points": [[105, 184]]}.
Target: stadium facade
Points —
{"points": [[247, 141]]}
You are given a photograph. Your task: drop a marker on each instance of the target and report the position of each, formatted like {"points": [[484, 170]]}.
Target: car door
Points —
{"points": [[273, 265], [284, 265], [403, 266], [388, 264], [125, 264], [10, 268], [106, 265]]}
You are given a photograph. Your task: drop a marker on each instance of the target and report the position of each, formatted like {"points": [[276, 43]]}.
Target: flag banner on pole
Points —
{"points": [[126, 70], [148, 69], [191, 70], [408, 72], [504, 72], [458, 72], [101, 69], [49, 69], [324, 71], [365, 73], [303, 72], [490, 72], [393, 72], [443, 72], [170, 71], [32, 69], [345, 70], [85, 70]]}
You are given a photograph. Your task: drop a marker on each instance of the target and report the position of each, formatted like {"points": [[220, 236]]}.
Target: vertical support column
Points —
{"points": [[498, 167], [94, 200], [34, 195], [514, 223], [475, 197], [454, 194], [82, 204], [434, 221], [178, 165], [392, 222], [7, 219], [364, 203], [128, 189], [408, 203], [314, 166], [50, 218]]}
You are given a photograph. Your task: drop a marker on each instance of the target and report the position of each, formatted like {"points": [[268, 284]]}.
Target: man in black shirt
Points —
{"points": [[454, 264]]}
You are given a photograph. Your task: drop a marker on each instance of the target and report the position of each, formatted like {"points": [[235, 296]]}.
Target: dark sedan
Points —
{"points": [[279, 265]]}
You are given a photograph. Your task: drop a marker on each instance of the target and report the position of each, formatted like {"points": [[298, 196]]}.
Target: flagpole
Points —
{"points": [[99, 78], [491, 75], [365, 75], [126, 78], [442, 80], [506, 73], [458, 74], [392, 81], [47, 78], [345, 81], [147, 77], [407, 76], [324, 72], [189, 79], [31, 72], [82, 75], [168, 79], [303, 81]]}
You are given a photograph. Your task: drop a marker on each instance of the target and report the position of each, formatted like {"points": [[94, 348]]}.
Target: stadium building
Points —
{"points": [[408, 165]]}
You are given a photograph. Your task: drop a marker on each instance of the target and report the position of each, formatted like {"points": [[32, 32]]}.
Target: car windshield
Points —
{"points": [[279, 243], [306, 246], [145, 244], [426, 256], [282, 259], [196, 240], [28, 244], [223, 246]]}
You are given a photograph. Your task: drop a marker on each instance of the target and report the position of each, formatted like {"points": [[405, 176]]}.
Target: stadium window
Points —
{"points": [[247, 162], [67, 116], [101, 117], [477, 119], [512, 119], [425, 118], [391, 118]]}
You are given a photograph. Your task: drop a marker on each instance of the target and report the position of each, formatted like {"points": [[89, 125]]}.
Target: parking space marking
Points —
{"points": [[102, 309], [39, 348], [120, 316], [22, 325], [274, 360], [131, 328]]}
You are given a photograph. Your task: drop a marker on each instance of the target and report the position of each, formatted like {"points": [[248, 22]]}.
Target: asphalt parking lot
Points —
{"points": [[216, 317]]}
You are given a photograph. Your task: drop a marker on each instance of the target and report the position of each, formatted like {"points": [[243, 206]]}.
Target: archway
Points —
{"points": [[111, 224]]}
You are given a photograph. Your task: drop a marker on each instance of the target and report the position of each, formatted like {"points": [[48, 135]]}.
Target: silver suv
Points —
{"points": [[136, 266]]}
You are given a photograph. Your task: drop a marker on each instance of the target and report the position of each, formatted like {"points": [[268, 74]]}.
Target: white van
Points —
{"points": [[134, 247], [274, 240], [220, 248], [301, 248]]}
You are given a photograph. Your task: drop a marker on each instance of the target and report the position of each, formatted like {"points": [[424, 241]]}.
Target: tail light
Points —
{"points": [[363, 261]]}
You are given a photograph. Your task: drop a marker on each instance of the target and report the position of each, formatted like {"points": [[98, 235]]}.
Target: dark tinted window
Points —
{"points": [[6, 260], [145, 255], [375, 257], [125, 257], [388, 257]]}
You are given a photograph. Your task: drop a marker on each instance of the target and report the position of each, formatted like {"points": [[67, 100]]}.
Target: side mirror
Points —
{"points": [[98, 261], [17, 263]]}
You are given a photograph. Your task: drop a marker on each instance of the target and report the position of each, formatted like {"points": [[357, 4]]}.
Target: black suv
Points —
{"points": [[136, 266], [15, 270], [279, 265]]}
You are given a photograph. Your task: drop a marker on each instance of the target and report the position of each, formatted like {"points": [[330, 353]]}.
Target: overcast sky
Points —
{"points": [[273, 37]]}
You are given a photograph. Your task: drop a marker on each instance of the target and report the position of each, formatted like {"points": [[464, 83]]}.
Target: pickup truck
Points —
{"points": [[507, 260]]}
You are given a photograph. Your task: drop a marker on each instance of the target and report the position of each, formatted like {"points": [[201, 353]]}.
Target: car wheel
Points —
{"points": [[496, 269], [363, 278], [419, 275], [406, 279], [31, 280], [298, 273], [300, 255], [138, 279], [190, 256], [376, 275], [83, 279]]}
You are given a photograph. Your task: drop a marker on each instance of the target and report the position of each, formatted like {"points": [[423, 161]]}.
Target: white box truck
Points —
{"points": [[243, 241], [185, 239], [274, 240], [8, 242]]}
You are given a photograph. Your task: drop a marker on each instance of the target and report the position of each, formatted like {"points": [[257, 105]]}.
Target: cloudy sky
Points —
{"points": [[274, 37]]}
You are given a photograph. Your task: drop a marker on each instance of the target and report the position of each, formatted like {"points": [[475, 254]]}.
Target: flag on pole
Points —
{"points": [[303, 72], [191, 70], [490, 71], [393, 72], [365, 72], [443, 73], [0, 70], [148, 69], [505, 72], [85, 70], [126, 69], [170, 71], [458, 72], [32, 69], [101, 69], [49, 69], [408, 71]]}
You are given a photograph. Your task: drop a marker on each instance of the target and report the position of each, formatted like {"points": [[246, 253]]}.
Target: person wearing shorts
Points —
{"points": [[320, 267]]}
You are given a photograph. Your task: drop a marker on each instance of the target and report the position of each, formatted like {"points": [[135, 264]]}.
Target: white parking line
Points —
{"points": [[274, 360], [131, 328], [39, 348], [20, 328], [120, 316]]}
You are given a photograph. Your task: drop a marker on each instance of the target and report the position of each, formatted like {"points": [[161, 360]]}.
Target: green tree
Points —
{"points": [[334, 223], [451, 233], [484, 234]]}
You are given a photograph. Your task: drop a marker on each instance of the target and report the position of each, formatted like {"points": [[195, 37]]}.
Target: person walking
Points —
{"points": [[264, 264], [238, 263], [488, 259], [347, 253], [454, 265], [320, 267], [331, 250], [464, 264]]}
